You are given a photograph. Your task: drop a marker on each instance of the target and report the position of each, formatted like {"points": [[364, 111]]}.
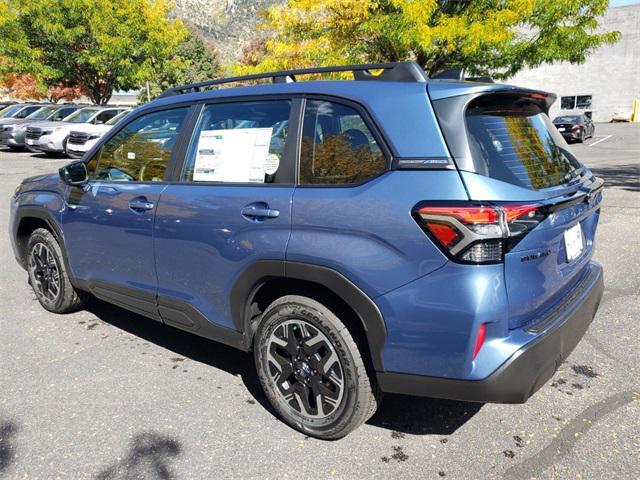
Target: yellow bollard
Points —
{"points": [[635, 111]]}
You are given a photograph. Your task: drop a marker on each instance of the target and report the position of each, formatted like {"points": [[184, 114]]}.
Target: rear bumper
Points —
{"points": [[524, 372], [571, 135]]}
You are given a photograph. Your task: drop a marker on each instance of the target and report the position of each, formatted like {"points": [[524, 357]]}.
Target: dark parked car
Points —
{"points": [[575, 128], [395, 233]]}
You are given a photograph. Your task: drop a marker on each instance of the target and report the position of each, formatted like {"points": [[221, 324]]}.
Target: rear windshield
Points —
{"points": [[515, 141], [10, 110]]}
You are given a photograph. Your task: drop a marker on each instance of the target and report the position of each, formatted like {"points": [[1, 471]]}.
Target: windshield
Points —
{"points": [[10, 110], [117, 118], [43, 113], [567, 119], [26, 111], [81, 116], [516, 142]]}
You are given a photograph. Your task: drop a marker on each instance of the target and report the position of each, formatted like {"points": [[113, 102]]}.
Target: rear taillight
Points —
{"points": [[575, 128], [478, 233]]}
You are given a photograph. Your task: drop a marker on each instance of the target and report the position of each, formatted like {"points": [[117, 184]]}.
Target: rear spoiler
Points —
{"points": [[581, 196]]}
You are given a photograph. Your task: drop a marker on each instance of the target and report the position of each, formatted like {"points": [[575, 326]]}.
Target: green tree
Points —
{"points": [[99, 45], [494, 37], [199, 62]]}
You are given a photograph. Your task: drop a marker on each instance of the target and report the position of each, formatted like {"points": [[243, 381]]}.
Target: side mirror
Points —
{"points": [[74, 174]]}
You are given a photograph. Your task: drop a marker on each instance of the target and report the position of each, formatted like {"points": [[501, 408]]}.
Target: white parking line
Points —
{"points": [[601, 140]]}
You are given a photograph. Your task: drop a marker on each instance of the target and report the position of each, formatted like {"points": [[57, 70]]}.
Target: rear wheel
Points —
{"points": [[312, 370], [48, 275]]}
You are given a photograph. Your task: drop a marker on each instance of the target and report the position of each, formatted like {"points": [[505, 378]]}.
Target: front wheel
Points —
{"points": [[311, 369], [48, 274]]}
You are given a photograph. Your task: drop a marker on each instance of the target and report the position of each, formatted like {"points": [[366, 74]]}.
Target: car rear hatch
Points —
{"points": [[512, 159]]}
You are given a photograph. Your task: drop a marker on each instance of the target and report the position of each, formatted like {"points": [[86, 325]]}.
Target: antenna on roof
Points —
{"points": [[391, 72]]}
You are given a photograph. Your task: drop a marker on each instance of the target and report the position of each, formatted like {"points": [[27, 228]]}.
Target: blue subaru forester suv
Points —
{"points": [[391, 233]]}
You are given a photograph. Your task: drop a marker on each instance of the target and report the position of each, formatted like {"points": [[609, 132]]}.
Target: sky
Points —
{"points": [[620, 3]]}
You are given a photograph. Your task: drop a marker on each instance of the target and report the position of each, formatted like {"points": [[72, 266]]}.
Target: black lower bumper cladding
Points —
{"points": [[524, 372]]}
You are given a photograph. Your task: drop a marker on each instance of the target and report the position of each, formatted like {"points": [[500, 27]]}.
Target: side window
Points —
{"points": [[140, 151], [241, 142], [62, 113], [337, 146], [105, 116]]}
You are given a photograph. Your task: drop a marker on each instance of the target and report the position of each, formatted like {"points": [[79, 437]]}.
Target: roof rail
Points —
{"points": [[392, 72], [458, 74]]}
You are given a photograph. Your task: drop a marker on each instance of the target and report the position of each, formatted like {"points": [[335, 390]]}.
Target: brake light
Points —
{"points": [[482, 335], [575, 128], [478, 233]]}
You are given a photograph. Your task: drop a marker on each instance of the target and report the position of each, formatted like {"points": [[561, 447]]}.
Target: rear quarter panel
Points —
{"points": [[366, 232]]}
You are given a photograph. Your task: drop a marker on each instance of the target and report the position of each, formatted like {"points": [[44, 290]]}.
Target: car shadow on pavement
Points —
{"points": [[188, 345], [423, 416], [626, 177], [399, 413]]}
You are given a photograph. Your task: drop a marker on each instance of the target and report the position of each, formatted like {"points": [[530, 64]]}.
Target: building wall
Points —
{"points": [[611, 74]]}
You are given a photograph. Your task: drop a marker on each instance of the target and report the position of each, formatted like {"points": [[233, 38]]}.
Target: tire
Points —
{"points": [[581, 139], [48, 274], [330, 364]]}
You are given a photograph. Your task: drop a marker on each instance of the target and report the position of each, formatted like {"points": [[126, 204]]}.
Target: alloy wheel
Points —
{"points": [[45, 272], [306, 369]]}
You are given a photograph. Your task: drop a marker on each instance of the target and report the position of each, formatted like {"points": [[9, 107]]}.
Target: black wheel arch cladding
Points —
{"points": [[259, 273]]}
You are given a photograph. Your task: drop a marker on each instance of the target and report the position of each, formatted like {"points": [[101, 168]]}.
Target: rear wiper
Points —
{"points": [[573, 174]]}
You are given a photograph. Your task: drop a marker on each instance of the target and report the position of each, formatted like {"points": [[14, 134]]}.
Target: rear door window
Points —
{"points": [[105, 116], [337, 146], [514, 141]]}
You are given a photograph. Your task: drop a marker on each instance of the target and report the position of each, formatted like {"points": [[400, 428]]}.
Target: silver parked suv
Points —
{"points": [[51, 137], [85, 136], [13, 130]]}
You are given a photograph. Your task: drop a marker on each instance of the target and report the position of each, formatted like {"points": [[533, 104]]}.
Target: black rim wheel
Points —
{"points": [[45, 273], [305, 369]]}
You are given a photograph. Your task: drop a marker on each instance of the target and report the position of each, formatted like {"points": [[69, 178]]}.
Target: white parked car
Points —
{"points": [[85, 135], [51, 137]]}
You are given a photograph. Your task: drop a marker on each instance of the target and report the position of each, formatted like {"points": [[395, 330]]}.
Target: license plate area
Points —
{"points": [[573, 242]]}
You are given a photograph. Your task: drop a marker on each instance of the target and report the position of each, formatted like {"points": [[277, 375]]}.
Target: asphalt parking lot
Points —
{"points": [[106, 394]]}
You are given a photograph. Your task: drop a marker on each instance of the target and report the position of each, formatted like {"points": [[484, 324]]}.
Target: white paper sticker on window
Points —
{"points": [[235, 155], [131, 155], [271, 164]]}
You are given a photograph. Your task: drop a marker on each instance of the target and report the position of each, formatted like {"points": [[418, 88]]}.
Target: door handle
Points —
{"points": [[141, 205], [259, 212]]}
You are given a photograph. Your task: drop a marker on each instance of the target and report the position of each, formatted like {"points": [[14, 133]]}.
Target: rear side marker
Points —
{"points": [[482, 335]]}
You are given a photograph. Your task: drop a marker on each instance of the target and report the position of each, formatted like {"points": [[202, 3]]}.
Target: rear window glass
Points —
{"points": [[515, 141]]}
